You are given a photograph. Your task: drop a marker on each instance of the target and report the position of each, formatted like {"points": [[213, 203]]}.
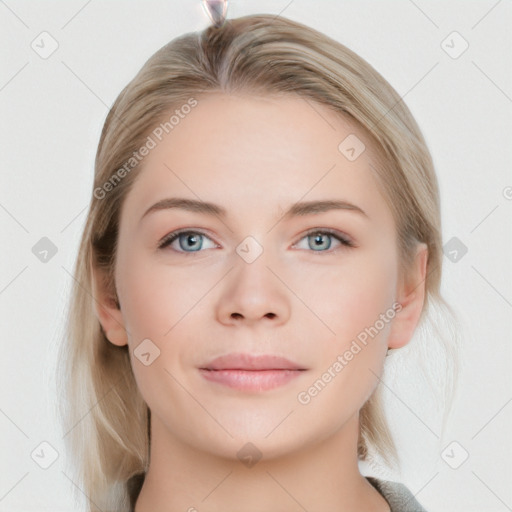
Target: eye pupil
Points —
{"points": [[191, 238], [318, 241]]}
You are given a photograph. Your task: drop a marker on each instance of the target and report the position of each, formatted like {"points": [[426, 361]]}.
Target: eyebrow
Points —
{"points": [[297, 209]]}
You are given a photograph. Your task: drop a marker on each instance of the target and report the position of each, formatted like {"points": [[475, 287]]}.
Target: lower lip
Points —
{"points": [[251, 380]]}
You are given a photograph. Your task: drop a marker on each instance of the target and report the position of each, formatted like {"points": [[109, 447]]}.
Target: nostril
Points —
{"points": [[271, 315]]}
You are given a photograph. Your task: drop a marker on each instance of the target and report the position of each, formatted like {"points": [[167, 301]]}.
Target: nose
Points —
{"points": [[251, 293]]}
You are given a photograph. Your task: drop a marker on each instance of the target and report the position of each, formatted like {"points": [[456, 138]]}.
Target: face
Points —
{"points": [[312, 289]]}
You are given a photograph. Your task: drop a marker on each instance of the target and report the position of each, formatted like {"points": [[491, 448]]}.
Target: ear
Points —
{"points": [[411, 295], [107, 308]]}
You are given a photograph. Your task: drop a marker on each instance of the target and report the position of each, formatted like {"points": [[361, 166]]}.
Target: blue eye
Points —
{"points": [[189, 241], [320, 240]]}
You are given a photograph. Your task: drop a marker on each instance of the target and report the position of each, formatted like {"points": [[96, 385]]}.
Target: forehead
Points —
{"points": [[261, 153]]}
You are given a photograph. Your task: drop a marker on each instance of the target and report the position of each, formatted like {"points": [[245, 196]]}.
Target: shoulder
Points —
{"points": [[400, 499]]}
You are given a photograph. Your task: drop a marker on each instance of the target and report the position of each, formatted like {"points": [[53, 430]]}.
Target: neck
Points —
{"points": [[321, 476]]}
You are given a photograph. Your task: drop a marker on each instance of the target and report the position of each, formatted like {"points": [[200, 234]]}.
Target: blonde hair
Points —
{"points": [[106, 420]]}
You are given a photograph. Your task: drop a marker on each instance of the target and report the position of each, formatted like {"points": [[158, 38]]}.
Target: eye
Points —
{"points": [[320, 240], [188, 241]]}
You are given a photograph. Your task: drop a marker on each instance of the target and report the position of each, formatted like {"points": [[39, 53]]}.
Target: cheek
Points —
{"points": [[155, 300], [146, 308], [352, 297], [154, 296], [353, 301]]}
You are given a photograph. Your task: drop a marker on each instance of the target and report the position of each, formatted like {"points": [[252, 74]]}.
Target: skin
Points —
{"points": [[257, 156]]}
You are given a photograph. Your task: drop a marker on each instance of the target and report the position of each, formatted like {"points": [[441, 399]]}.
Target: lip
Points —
{"points": [[237, 361], [248, 372]]}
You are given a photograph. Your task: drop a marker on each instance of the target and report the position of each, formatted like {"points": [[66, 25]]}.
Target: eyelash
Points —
{"points": [[345, 242]]}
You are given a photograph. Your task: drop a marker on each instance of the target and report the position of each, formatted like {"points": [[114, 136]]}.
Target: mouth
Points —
{"points": [[246, 372]]}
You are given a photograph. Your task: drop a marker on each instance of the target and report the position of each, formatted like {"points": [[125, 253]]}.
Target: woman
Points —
{"points": [[264, 227]]}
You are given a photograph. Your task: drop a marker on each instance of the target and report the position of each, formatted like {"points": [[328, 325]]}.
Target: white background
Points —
{"points": [[52, 111]]}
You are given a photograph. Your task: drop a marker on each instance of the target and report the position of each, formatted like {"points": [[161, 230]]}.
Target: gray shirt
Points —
{"points": [[399, 498]]}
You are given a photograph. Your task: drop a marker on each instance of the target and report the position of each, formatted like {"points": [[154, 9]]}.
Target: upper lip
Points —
{"points": [[251, 362]]}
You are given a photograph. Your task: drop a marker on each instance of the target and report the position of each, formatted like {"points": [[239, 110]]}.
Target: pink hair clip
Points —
{"points": [[216, 10]]}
